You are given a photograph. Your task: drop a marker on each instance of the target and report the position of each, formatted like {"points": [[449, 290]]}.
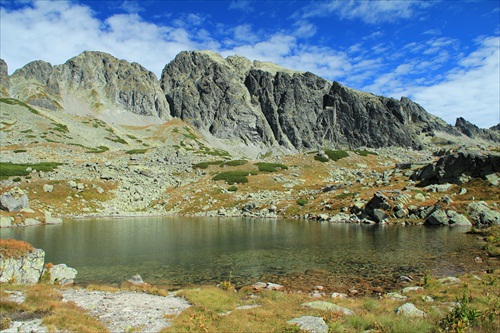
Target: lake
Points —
{"points": [[185, 251]]}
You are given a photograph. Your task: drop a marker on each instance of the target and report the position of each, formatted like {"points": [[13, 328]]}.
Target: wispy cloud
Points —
{"points": [[370, 12]]}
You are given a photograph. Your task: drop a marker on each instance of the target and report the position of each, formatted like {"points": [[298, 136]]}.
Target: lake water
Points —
{"points": [[183, 251]]}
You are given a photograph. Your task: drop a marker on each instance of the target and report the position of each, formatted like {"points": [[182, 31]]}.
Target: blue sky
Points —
{"points": [[444, 55]]}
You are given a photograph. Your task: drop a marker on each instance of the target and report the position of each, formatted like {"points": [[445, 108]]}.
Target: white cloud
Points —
{"points": [[371, 12]]}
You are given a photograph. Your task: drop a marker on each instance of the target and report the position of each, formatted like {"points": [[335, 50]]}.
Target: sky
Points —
{"points": [[443, 54]]}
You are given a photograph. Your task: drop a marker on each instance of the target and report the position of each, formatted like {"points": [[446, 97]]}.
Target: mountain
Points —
{"points": [[231, 101]]}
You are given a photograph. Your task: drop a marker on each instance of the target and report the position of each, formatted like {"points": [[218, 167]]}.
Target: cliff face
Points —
{"points": [[293, 110], [98, 79], [231, 99]]}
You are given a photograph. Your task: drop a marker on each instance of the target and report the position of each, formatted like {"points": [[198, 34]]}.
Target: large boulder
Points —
{"points": [[482, 214], [25, 269], [60, 274], [10, 203]]}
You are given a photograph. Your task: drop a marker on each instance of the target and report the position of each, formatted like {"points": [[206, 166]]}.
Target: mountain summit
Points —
{"points": [[231, 100]]}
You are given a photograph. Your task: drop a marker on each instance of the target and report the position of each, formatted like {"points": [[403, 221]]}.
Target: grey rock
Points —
{"points": [[457, 219], [396, 296], [72, 184], [449, 279], [310, 324], [10, 203], [482, 214], [26, 269], [410, 310], [6, 221], [376, 207], [327, 306], [4, 79], [60, 274], [438, 217], [438, 187], [136, 280], [419, 197], [493, 178], [48, 188], [459, 167], [411, 289]]}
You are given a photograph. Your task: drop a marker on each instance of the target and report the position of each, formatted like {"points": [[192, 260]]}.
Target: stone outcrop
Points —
{"points": [[4, 79], [60, 274], [457, 168], [26, 269], [482, 214]]}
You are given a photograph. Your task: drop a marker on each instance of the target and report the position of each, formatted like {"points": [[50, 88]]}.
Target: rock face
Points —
{"points": [[4, 79], [26, 269], [60, 274], [98, 79], [237, 100], [455, 168]]}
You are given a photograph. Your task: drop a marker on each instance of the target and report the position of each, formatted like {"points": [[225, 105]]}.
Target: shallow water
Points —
{"points": [[182, 251]]}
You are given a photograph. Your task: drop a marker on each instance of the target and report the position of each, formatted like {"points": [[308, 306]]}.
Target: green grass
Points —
{"points": [[117, 139], [336, 155], [131, 137], [301, 202], [13, 101], [232, 189], [204, 165], [345, 195], [100, 149], [20, 151], [232, 177], [321, 158], [234, 163], [270, 167], [12, 169], [60, 128], [220, 153], [136, 151]]}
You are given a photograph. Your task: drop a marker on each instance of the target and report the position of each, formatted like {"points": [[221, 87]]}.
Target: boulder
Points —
{"points": [[310, 324], [457, 219], [25, 269], [410, 310], [376, 207], [136, 280], [438, 217], [60, 274], [48, 188], [10, 203], [6, 221], [327, 306], [480, 213]]}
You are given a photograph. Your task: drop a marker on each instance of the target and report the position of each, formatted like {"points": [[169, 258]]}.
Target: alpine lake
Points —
{"points": [[181, 251]]}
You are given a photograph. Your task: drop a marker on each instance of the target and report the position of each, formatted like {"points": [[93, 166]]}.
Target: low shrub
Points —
{"points": [[204, 165], [336, 155], [14, 169], [20, 151], [232, 177], [364, 152], [232, 189], [301, 202], [11, 248], [136, 151], [234, 163], [321, 158], [270, 167]]}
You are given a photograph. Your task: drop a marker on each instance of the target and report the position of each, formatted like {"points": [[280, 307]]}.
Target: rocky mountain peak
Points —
{"points": [[4, 79]]}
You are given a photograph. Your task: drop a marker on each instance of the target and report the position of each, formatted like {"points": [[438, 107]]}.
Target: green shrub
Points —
{"points": [[13, 101], [336, 155], [270, 167], [301, 202], [20, 151], [204, 165], [232, 177], [321, 158], [16, 180], [131, 137], [12, 169], [234, 163], [100, 149], [345, 195], [117, 139], [232, 189], [461, 317]]}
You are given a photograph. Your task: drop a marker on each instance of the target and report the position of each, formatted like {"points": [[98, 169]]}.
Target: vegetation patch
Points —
{"points": [[204, 165], [20, 151], [232, 189], [12, 169], [321, 158], [13, 101], [270, 167], [11, 248], [116, 139], [301, 202], [99, 149], [217, 152], [60, 128], [336, 155], [232, 177], [234, 163], [345, 195], [136, 151]]}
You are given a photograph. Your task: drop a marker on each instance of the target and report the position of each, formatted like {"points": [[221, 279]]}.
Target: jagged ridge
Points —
{"points": [[237, 101]]}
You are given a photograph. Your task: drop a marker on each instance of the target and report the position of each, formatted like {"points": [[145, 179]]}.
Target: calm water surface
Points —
{"points": [[203, 250]]}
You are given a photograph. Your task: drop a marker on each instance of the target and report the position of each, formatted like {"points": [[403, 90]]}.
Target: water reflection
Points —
{"points": [[187, 250]]}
